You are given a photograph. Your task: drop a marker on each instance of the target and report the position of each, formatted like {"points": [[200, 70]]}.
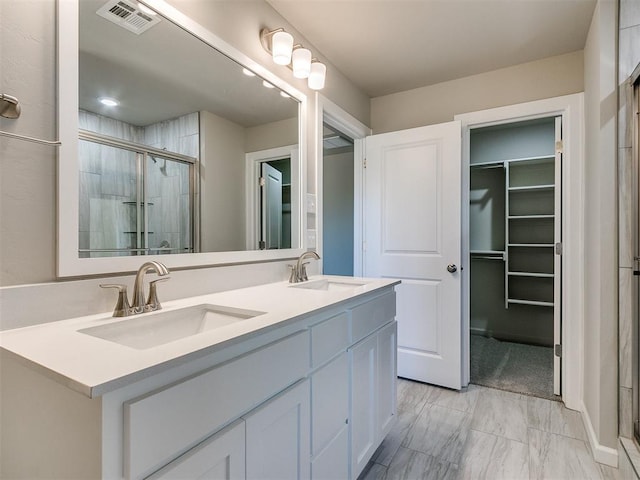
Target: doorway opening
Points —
{"points": [[338, 202], [515, 245], [275, 204]]}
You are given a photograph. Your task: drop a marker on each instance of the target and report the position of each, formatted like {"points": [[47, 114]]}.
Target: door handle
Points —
{"points": [[451, 268]]}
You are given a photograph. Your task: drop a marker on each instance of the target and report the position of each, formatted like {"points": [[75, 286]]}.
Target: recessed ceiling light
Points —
{"points": [[143, 8], [267, 84], [248, 72], [109, 102]]}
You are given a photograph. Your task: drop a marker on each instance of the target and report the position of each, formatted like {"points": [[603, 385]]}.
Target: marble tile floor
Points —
{"points": [[483, 433]]}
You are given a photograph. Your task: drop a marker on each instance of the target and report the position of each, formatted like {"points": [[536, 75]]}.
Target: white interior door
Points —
{"points": [[413, 233], [271, 183]]}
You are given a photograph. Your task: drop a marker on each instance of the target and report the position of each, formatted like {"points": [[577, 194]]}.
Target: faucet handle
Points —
{"points": [[152, 301], [293, 277], [122, 308], [303, 272]]}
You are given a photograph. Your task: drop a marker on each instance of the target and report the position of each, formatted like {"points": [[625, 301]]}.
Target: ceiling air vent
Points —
{"points": [[129, 15]]}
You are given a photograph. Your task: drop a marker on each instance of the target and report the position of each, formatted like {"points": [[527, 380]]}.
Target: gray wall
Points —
{"points": [[337, 214], [222, 180], [550, 77], [600, 322]]}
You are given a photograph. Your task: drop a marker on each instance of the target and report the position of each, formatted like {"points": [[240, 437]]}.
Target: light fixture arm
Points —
{"points": [[265, 38]]}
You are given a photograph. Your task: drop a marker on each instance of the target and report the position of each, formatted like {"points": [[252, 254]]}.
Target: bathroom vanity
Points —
{"points": [[286, 381]]}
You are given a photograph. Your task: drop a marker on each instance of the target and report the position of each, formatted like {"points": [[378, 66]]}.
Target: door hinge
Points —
{"points": [[364, 163], [262, 182], [559, 147], [262, 244], [559, 248], [557, 350]]}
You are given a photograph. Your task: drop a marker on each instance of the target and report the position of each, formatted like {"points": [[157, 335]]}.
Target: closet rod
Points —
{"points": [[54, 143]]}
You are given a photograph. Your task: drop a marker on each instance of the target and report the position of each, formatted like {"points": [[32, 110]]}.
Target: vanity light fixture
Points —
{"points": [[109, 102], [267, 84], [300, 60], [317, 75]]}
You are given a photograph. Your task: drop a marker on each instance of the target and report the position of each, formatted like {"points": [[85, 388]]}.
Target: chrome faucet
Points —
{"points": [[299, 271], [139, 304], [123, 308]]}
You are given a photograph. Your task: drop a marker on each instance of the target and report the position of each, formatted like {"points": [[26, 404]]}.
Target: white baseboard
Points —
{"points": [[601, 454]]}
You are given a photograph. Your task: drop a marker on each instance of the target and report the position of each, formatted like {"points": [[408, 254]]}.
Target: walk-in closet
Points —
{"points": [[515, 246]]}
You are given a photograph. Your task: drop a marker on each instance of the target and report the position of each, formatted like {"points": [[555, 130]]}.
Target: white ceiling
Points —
{"points": [[388, 46]]}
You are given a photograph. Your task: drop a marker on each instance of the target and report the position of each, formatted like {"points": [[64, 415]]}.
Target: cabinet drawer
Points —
{"points": [[163, 424], [329, 338], [370, 316]]}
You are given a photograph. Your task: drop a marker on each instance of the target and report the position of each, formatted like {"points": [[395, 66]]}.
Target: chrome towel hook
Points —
{"points": [[9, 106]]}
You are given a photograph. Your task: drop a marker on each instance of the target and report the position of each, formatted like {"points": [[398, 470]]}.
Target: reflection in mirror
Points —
{"points": [[166, 124]]}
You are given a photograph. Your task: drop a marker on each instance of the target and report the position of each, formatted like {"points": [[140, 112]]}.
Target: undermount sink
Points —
{"points": [[157, 328], [329, 285]]}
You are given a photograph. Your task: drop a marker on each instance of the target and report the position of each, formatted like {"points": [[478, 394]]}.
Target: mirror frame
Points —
{"points": [[69, 264]]}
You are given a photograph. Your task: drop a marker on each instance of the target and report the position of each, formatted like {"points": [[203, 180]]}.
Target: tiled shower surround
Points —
{"points": [[628, 59], [108, 184]]}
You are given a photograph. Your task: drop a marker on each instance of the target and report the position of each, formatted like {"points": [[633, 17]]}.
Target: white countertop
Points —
{"points": [[94, 366]]}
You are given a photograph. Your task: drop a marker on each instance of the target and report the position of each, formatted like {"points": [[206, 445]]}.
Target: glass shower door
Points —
{"points": [[111, 210]]}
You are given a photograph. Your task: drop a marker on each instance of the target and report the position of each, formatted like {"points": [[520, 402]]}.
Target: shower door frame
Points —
{"points": [[143, 152]]}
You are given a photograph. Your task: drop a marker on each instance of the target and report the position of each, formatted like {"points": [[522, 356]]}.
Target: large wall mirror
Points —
{"points": [[176, 147]]}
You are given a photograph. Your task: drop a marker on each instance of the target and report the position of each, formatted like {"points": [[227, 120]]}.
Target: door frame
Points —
{"points": [[571, 109], [330, 113], [253, 161]]}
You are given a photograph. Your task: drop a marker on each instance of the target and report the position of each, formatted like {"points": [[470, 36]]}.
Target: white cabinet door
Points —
{"points": [[329, 420], [333, 462], [373, 393], [386, 376], [278, 437], [364, 359], [413, 233], [222, 457]]}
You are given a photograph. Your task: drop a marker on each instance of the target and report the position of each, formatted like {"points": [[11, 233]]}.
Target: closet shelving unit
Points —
{"points": [[529, 230], [530, 221]]}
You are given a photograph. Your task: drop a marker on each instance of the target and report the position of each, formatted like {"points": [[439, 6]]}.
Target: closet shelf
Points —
{"points": [[528, 245], [530, 217], [494, 164], [529, 302], [533, 160], [531, 274], [501, 163], [488, 255], [532, 188]]}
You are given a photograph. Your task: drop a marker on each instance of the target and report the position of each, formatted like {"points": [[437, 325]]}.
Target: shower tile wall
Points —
{"points": [[628, 59], [108, 184], [169, 182]]}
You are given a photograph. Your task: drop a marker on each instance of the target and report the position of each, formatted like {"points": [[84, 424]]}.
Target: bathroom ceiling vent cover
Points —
{"points": [[128, 15]]}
